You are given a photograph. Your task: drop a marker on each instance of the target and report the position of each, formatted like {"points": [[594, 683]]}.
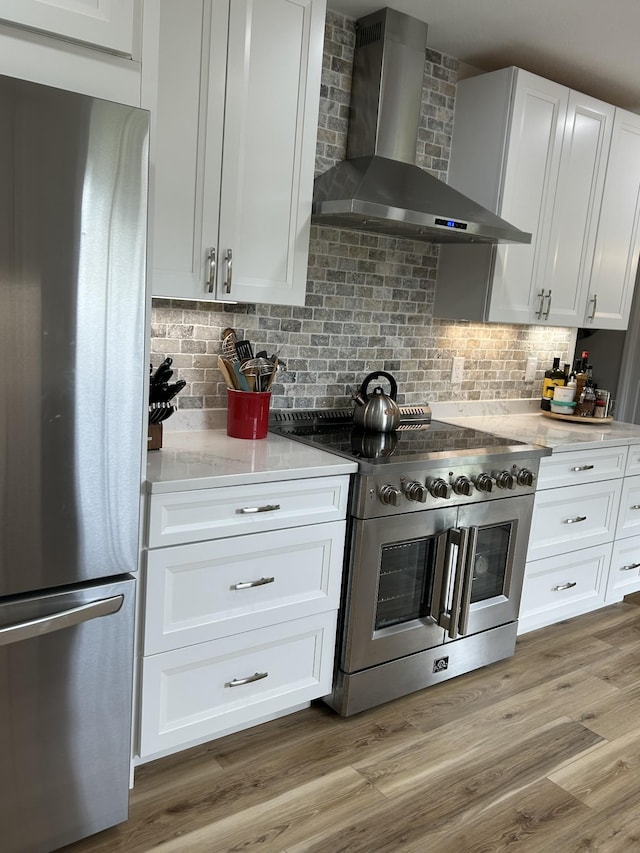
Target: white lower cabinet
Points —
{"points": [[563, 586], [241, 596], [624, 575], [584, 546], [211, 689]]}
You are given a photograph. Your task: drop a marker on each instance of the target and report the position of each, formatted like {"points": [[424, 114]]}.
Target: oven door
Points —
{"points": [[484, 568], [394, 590]]}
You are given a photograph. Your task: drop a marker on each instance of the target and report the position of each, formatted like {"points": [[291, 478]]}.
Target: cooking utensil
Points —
{"points": [[378, 411], [228, 373], [244, 350], [229, 345], [261, 369], [174, 390], [163, 371]]}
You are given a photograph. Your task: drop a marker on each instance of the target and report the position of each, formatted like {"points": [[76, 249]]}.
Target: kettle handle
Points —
{"points": [[372, 376]]}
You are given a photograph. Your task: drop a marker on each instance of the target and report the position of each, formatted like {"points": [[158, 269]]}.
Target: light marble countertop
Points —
{"points": [[203, 459], [535, 428]]}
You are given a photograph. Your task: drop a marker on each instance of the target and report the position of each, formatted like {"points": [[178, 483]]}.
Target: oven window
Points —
{"points": [[405, 582], [491, 562]]}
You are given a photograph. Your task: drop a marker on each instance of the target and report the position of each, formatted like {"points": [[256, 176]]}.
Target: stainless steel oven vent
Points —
{"points": [[378, 188]]}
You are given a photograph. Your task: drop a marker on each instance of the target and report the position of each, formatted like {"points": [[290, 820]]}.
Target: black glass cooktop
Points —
{"points": [[410, 442]]}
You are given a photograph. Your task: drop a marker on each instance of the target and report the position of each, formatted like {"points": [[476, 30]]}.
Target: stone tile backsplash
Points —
{"points": [[369, 302]]}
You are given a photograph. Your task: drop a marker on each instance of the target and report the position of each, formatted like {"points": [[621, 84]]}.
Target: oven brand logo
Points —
{"points": [[440, 664]]}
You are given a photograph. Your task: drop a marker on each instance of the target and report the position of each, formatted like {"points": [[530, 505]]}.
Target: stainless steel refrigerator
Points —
{"points": [[73, 204]]}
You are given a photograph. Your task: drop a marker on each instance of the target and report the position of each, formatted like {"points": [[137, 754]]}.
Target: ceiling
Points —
{"points": [[588, 45]]}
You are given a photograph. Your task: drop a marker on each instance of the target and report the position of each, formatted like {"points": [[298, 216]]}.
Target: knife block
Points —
{"points": [[154, 437]]}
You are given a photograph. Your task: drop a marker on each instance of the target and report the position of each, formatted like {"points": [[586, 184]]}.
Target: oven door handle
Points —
{"points": [[440, 581], [458, 537], [465, 604]]}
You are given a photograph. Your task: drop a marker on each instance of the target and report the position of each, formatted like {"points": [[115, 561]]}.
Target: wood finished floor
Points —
{"points": [[540, 752]]}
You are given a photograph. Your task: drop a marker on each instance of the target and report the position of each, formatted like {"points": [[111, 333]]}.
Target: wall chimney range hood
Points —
{"points": [[378, 188]]}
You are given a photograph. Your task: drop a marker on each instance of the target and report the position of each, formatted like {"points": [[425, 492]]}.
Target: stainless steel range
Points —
{"points": [[439, 519]]}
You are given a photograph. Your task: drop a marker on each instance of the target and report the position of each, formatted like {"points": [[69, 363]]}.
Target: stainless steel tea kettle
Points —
{"points": [[377, 412]]}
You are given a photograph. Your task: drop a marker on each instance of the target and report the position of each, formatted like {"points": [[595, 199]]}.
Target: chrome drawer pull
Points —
{"points": [[238, 682], [630, 568], [250, 584], [247, 510], [583, 468], [564, 586], [635, 506], [575, 520]]}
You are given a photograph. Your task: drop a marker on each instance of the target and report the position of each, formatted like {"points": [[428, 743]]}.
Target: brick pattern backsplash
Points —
{"points": [[369, 303]]}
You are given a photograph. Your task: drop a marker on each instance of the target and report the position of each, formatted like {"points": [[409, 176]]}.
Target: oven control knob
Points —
{"points": [[463, 486], [390, 495], [526, 477], [484, 483], [505, 480], [416, 492], [439, 488]]}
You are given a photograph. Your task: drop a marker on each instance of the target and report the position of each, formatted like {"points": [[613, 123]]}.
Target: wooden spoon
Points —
{"points": [[227, 371]]}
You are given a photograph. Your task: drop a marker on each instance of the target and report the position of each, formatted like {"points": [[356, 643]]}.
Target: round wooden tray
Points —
{"points": [[577, 419]]}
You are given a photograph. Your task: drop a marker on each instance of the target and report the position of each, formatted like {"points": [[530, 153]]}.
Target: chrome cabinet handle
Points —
{"points": [[211, 278], [238, 682], [583, 467], [227, 282], [575, 520], [541, 297], [251, 584], [546, 313], [635, 506], [248, 510], [564, 586], [630, 567], [594, 300], [58, 621]]}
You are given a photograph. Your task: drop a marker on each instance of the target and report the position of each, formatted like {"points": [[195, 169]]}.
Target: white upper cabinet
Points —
{"points": [[109, 24], [234, 90], [617, 249], [88, 46], [546, 159]]}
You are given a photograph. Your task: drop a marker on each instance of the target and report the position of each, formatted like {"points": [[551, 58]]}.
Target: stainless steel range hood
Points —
{"points": [[378, 188]]}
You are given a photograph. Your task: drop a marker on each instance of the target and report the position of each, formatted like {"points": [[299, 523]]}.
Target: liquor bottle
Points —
{"points": [[552, 377], [587, 402], [581, 376]]}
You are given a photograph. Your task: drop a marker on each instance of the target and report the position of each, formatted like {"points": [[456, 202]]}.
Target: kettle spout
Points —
{"points": [[359, 398]]}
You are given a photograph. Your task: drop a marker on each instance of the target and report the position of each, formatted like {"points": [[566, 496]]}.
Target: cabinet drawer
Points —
{"points": [[564, 586], [624, 574], [193, 693], [583, 466], [208, 590], [573, 517], [633, 460], [180, 517], [629, 514]]}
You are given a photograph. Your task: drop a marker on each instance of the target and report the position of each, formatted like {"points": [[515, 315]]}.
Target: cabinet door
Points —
{"points": [[563, 586], [271, 117], [618, 241], [564, 273], [183, 78], [211, 689], [530, 177], [109, 24], [629, 515], [573, 517], [624, 574], [208, 590]]}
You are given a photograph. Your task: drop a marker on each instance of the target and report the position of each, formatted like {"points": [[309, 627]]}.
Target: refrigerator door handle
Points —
{"points": [[58, 621]]}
